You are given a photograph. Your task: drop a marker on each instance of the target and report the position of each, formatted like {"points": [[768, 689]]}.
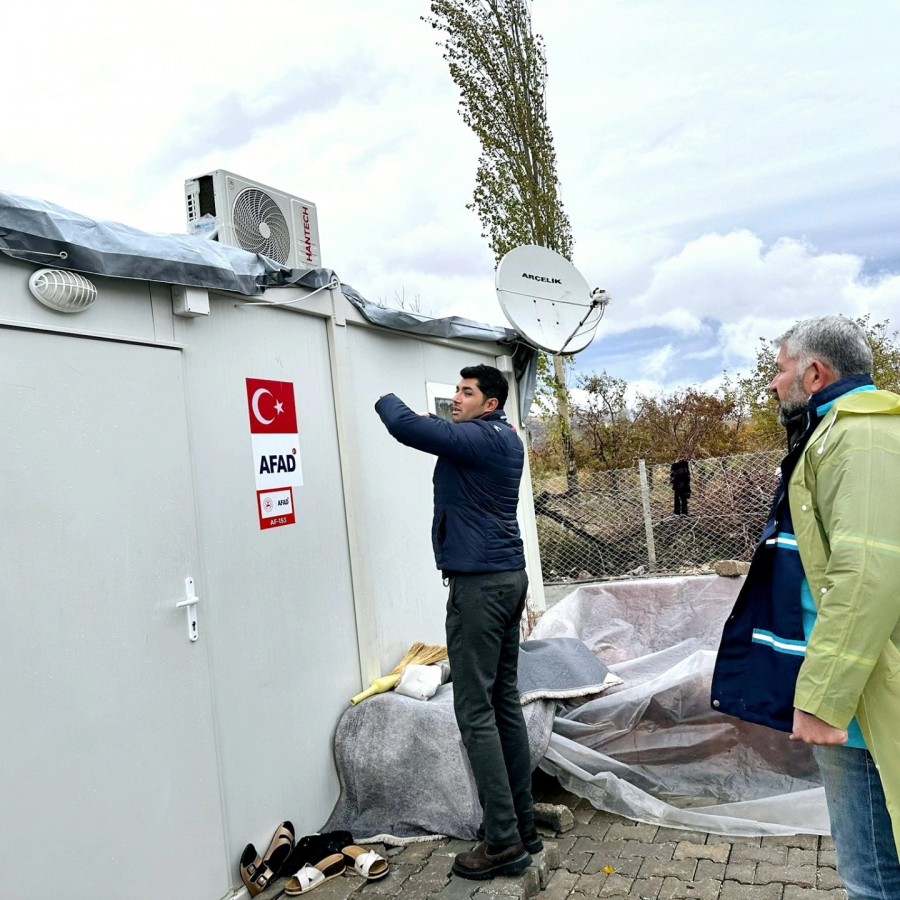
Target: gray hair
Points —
{"points": [[838, 342]]}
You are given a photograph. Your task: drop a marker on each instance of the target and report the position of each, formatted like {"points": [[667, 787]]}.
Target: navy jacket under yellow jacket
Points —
{"points": [[476, 486], [763, 642]]}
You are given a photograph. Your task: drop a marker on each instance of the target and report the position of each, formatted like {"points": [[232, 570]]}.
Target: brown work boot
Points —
{"points": [[486, 862]]}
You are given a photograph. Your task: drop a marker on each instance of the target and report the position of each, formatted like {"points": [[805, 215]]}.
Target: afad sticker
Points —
{"points": [[276, 508]]}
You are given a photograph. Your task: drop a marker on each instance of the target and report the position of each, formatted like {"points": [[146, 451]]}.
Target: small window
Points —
{"points": [[440, 399]]}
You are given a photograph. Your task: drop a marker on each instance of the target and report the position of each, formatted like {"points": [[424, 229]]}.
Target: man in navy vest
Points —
{"points": [[478, 548]]}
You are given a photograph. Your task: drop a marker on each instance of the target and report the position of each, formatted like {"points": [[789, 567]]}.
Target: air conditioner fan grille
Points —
{"points": [[260, 226]]}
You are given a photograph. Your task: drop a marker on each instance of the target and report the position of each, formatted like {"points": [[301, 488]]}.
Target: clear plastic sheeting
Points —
{"points": [[653, 749]]}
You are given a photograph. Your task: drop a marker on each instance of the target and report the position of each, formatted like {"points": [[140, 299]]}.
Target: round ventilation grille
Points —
{"points": [[260, 226], [63, 291]]}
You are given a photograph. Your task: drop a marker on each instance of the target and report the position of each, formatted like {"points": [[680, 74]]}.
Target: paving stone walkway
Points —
{"points": [[608, 857]]}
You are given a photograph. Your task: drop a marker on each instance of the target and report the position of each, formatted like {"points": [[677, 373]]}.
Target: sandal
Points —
{"points": [[255, 874], [367, 863], [313, 847], [310, 876], [279, 847]]}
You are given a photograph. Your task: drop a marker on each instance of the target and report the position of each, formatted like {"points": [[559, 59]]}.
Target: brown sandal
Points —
{"points": [[255, 874], [279, 847]]}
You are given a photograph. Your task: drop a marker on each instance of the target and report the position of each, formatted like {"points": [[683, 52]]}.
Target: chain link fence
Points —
{"points": [[623, 522]]}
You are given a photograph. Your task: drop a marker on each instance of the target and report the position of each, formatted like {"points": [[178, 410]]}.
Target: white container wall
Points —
{"points": [[109, 748], [126, 466], [395, 488]]}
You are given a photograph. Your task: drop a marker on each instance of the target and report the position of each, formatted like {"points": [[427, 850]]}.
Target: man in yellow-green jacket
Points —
{"points": [[836, 618]]}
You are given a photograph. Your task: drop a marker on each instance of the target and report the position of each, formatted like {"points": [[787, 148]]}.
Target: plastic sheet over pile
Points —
{"points": [[653, 749]]}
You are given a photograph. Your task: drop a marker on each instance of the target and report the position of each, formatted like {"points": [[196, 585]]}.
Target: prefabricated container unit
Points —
{"points": [[173, 668]]}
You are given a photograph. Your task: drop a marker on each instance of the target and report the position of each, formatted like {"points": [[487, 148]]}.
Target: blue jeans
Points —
{"points": [[483, 613], [860, 823]]}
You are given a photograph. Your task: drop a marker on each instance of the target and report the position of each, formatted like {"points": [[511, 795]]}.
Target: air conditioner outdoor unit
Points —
{"points": [[255, 217]]}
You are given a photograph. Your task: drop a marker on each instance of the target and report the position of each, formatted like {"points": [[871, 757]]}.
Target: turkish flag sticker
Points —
{"points": [[271, 406]]}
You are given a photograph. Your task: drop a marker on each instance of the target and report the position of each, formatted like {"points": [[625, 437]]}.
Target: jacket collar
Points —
{"points": [[497, 415], [802, 425], [821, 403]]}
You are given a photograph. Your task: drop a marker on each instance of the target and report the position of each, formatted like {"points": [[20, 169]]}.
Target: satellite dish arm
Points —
{"points": [[600, 298]]}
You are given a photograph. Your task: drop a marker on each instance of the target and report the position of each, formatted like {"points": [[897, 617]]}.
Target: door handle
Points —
{"points": [[190, 605]]}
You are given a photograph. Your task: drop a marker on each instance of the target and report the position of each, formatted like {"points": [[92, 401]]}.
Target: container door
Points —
{"points": [[109, 783]]}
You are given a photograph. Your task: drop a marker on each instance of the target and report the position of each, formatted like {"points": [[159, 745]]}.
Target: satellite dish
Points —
{"points": [[546, 299]]}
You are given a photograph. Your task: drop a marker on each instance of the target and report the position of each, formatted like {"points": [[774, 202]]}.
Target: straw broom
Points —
{"points": [[419, 654]]}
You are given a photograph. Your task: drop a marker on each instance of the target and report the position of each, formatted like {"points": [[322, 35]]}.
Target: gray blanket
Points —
{"points": [[402, 766], [561, 669], [404, 772]]}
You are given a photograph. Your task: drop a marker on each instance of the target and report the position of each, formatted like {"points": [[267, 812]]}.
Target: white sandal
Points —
{"points": [[367, 863], [310, 876]]}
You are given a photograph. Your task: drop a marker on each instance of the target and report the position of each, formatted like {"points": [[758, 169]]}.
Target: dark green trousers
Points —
{"points": [[483, 613]]}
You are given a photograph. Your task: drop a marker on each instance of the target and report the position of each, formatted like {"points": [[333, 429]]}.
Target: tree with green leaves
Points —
{"points": [[500, 68], [603, 422], [689, 424]]}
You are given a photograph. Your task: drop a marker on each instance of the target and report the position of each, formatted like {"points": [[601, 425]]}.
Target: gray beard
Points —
{"points": [[789, 412]]}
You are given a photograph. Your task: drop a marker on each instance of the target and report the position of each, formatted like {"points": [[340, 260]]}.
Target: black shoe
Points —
{"points": [[486, 862], [312, 849], [532, 841]]}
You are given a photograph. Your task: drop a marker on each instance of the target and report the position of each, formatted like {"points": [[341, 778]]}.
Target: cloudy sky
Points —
{"points": [[727, 167]]}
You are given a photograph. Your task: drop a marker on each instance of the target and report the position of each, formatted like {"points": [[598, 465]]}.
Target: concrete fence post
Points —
{"points": [[648, 521]]}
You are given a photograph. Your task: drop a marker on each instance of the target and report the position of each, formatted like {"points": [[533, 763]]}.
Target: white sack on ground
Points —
{"points": [[653, 749]]}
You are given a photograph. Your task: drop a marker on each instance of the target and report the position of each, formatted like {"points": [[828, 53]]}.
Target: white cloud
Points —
{"points": [[717, 162], [643, 387], [878, 296], [756, 291], [657, 364], [719, 274], [688, 113]]}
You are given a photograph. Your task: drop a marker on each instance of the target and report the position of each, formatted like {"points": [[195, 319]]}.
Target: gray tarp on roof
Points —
{"points": [[46, 234], [41, 232]]}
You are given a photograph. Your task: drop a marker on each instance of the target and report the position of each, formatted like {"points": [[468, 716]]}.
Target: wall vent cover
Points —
{"points": [[63, 291]]}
